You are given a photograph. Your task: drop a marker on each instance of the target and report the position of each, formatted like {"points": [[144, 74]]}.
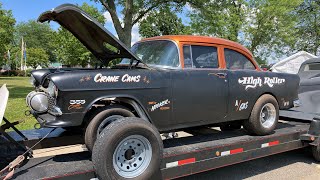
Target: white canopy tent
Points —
{"points": [[292, 63]]}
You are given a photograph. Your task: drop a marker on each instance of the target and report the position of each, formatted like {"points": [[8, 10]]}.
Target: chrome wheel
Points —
{"points": [[132, 156], [268, 115]]}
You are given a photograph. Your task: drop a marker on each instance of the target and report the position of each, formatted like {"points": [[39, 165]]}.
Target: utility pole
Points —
{"points": [[9, 55], [25, 59], [22, 49]]}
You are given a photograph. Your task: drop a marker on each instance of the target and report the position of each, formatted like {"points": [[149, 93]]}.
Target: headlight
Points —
{"points": [[38, 101], [52, 89], [32, 80]]}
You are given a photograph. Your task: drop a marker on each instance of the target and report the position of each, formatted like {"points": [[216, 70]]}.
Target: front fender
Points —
{"points": [[127, 99]]}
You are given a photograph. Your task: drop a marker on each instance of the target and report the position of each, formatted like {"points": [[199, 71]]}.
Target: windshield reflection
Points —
{"points": [[162, 53]]}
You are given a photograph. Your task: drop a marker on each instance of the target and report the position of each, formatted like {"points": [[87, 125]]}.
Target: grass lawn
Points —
{"points": [[18, 88]]}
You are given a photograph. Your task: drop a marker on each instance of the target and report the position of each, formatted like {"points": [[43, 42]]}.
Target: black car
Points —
{"points": [[162, 84]]}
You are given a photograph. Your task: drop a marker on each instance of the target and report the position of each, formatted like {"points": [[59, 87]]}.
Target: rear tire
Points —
{"points": [[101, 119], [315, 153], [129, 148], [264, 116]]}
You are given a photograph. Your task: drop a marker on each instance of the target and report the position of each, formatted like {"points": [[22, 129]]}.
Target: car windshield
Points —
{"points": [[156, 53]]}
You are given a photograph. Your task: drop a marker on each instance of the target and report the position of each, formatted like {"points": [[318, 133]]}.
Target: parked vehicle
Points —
{"points": [[309, 91], [162, 84]]}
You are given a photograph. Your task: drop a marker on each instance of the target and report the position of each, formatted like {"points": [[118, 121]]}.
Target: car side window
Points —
{"points": [[200, 56], [312, 67], [236, 61]]}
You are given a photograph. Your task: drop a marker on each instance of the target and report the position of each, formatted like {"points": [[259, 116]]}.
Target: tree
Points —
{"points": [[7, 23], [36, 35], [308, 27], [15, 59], [132, 12], [68, 49], [37, 57], [162, 22], [221, 18], [265, 27], [271, 27]]}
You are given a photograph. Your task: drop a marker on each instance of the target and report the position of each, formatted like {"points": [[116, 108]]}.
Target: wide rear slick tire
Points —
{"points": [[264, 116], [129, 148], [102, 118]]}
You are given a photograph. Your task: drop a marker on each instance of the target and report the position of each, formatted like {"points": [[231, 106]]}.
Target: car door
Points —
{"points": [[244, 84], [200, 90]]}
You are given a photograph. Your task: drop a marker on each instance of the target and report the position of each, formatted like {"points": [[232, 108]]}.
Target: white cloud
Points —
{"points": [[109, 24], [188, 7], [135, 34], [107, 16]]}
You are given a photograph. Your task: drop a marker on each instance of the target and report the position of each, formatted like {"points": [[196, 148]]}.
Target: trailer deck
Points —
{"points": [[205, 150]]}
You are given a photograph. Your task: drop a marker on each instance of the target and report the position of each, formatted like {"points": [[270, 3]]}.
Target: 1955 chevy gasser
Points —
{"points": [[162, 84]]}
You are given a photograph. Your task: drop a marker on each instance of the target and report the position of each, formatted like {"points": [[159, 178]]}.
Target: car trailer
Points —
{"points": [[181, 156]]}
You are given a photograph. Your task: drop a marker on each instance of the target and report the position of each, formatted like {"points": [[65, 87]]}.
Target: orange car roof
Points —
{"points": [[199, 39]]}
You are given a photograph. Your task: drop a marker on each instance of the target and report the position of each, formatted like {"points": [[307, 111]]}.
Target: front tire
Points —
{"points": [[129, 148], [264, 116], [101, 119]]}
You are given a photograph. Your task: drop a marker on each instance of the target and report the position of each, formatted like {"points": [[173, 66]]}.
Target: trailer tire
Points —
{"points": [[315, 153], [101, 119], [129, 148], [264, 116]]}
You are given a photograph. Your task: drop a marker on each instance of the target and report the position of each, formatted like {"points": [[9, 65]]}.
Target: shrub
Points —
{"points": [[29, 72], [13, 73]]}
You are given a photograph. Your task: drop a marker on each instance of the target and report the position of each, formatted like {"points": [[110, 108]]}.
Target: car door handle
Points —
{"points": [[220, 75]]}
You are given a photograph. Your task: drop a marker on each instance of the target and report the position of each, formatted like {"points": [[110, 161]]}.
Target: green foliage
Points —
{"points": [[37, 57], [18, 87], [266, 27], [36, 35], [68, 49], [309, 27], [28, 71], [132, 12], [15, 53], [221, 18], [271, 27], [93, 12], [12, 73], [7, 23], [162, 22]]}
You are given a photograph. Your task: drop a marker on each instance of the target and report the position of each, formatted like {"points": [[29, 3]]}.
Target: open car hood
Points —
{"points": [[103, 45]]}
